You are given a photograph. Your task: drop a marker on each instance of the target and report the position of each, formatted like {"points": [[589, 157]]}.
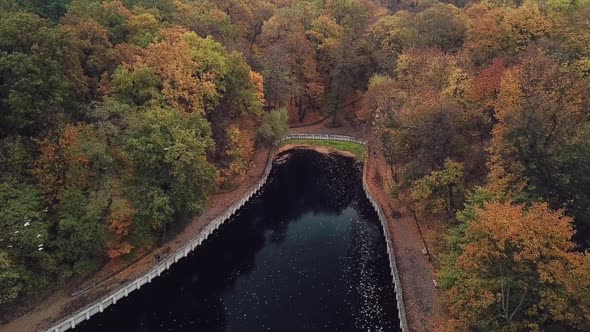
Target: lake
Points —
{"points": [[306, 254]]}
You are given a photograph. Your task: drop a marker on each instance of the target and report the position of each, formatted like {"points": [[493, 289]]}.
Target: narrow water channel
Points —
{"points": [[307, 254]]}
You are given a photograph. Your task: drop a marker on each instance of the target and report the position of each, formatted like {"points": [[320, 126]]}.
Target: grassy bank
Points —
{"points": [[357, 149]]}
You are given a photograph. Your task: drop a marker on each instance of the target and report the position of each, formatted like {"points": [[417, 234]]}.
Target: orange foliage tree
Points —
{"points": [[120, 219], [514, 268]]}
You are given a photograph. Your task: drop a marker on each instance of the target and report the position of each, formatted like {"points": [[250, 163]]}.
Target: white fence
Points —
{"points": [[102, 304], [399, 297], [323, 138]]}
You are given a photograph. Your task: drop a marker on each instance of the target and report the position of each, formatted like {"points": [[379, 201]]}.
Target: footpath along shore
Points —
{"points": [[416, 273]]}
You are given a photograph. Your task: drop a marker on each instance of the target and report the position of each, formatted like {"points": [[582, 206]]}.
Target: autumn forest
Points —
{"points": [[119, 118]]}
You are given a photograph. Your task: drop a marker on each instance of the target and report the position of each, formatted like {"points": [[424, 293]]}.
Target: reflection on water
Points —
{"points": [[307, 254]]}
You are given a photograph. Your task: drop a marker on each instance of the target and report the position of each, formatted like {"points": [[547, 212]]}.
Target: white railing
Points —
{"points": [[154, 272], [399, 297], [323, 137]]}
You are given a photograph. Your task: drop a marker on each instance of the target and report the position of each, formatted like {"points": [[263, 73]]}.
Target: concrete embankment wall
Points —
{"points": [[399, 297], [100, 305]]}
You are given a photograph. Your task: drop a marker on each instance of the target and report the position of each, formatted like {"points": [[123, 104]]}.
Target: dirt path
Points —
{"points": [[61, 303], [416, 272]]}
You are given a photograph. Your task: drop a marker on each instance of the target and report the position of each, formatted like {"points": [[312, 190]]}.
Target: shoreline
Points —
{"points": [[421, 311], [320, 149], [97, 306]]}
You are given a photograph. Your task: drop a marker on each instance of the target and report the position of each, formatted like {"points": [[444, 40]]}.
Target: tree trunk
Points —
{"points": [[451, 201], [301, 111], [337, 99], [163, 239]]}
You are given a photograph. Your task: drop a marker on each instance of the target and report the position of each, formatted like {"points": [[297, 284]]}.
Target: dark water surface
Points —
{"points": [[307, 254]]}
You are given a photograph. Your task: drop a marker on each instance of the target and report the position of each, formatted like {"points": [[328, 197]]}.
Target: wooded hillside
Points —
{"points": [[118, 118]]}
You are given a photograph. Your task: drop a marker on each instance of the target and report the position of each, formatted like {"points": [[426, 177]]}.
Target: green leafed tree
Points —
{"points": [[441, 190], [10, 285], [23, 240], [274, 126], [81, 234], [32, 93], [136, 87], [174, 177]]}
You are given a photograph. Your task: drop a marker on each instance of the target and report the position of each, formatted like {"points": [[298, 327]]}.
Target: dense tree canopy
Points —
{"points": [[118, 118], [492, 95], [536, 148]]}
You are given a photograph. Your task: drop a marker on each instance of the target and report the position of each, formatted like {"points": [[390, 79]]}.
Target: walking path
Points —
{"points": [[416, 273]]}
